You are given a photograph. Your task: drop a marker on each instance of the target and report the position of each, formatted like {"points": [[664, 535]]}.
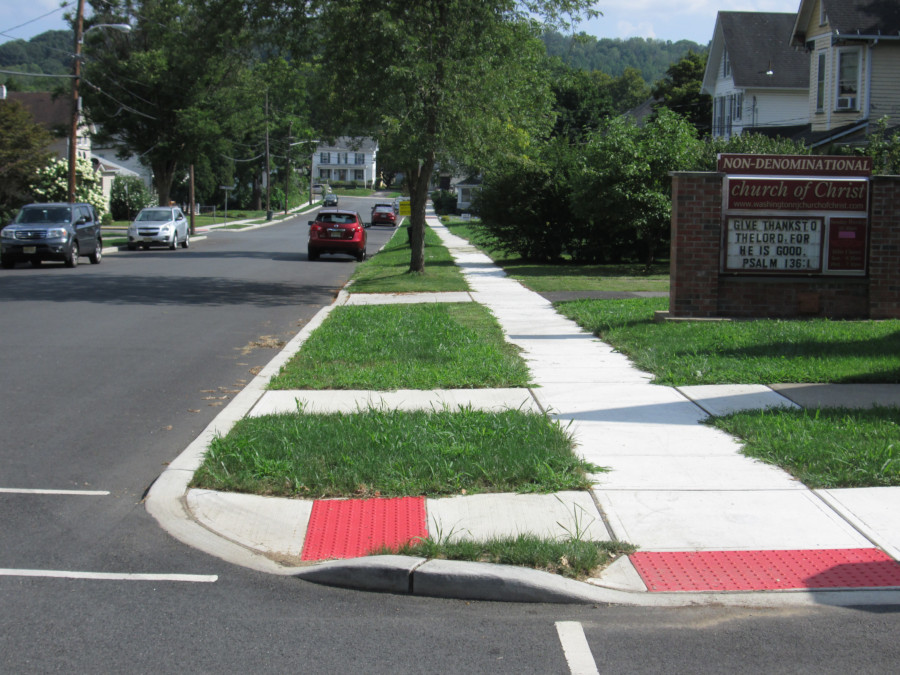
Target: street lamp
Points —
{"points": [[73, 134]]}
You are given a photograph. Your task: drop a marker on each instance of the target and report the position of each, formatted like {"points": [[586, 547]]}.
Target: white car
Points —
{"points": [[159, 225]]}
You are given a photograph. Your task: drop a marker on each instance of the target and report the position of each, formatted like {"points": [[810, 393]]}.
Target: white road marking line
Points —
{"points": [[79, 493], [576, 648], [110, 576]]}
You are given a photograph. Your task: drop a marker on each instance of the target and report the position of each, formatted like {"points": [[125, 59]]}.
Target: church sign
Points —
{"points": [[795, 214]]}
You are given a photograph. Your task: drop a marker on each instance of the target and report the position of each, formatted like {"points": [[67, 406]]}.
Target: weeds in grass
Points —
{"points": [[392, 453]]}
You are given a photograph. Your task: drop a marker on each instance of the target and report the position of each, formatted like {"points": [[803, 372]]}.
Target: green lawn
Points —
{"points": [[742, 352], [565, 275], [420, 346], [829, 448], [388, 272], [393, 453]]}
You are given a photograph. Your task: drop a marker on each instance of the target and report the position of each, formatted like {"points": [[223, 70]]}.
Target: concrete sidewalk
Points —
{"points": [[679, 490]]}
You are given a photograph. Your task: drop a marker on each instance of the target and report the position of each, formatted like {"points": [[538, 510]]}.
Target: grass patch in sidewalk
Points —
{"points": [[387, 347], [827, 448], [391, 453], [566, 275], [573, 558], [763, 351], [388, 272]]}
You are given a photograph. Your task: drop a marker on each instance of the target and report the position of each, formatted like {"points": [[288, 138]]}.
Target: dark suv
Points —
{"points": [[52, 232]]}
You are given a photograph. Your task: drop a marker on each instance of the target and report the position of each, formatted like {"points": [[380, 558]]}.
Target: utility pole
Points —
{"points": [[76, 76], [268, 177]]}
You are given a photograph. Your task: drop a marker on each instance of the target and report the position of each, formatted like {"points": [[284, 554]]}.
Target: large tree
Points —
{"points": [[159, 92], [23, 150], [679, 91], [439, 82]]}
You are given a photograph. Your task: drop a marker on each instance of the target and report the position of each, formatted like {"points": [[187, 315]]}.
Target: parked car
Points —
{"points": [[383, 214], [159, 225], [331, 199], [53, 231], [337, 231]]}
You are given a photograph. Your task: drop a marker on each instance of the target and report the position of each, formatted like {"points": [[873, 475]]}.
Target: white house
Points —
{"points": [[757, 81], [853, 60], [346, 160]]}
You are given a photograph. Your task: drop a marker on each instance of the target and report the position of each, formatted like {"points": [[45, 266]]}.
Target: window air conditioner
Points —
{"points": [[846, 103]]}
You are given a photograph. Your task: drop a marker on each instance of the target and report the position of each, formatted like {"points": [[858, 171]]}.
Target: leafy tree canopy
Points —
{"points": [[23, 150], [438, 80], [48, 53], [679, 91]]}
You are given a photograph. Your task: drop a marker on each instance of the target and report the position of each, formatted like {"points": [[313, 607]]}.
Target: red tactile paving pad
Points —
{"points": [[348, 528], [767, 570]]}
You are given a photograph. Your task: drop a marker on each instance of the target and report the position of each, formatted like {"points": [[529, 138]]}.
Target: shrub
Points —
{"points": [[128, 196]]}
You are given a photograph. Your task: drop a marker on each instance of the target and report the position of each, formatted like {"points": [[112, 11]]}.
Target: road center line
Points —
{"points": [[78, 493], [110, 576], [576, 648]]}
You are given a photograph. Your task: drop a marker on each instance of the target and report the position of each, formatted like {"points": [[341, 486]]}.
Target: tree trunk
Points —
{"points": [[163, 174], [419, 181]]}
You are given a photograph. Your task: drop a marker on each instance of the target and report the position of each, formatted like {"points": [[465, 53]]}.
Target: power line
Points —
{"points": [[43, 16]]}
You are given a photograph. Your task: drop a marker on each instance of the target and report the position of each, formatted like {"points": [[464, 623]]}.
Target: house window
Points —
{"points": [[359, 174], [738, 105], [726, 64], [342, 158], [325, 174], [325, 158], [360, 158], [820, 83], [848, 80], [719, 116]]}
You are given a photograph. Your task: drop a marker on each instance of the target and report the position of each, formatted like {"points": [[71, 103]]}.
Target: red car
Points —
{"points": [[337, 231], [383, 214]]}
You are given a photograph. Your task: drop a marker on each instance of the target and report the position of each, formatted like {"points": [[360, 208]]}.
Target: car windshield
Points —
{"points": [[53, 214], [154, 215], [384, 209], [337, 218]]}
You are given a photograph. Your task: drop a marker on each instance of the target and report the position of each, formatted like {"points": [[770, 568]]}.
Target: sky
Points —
{"points": [[659, 19]]}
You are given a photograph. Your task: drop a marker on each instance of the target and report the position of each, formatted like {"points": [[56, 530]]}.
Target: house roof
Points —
{"points": [[345, 143], [852, 19], [758, 43], [48, 111]]}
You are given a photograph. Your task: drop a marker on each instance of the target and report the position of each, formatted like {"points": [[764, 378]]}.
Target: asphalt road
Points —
{"points": [[110, 371]]}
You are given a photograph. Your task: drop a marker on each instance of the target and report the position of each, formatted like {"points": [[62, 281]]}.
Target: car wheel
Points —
{"points": [[361, 255], [36, 262], [132, 247], [312, 255], [187, 240], [72, 258], [97, 255], [174, 243], [7, 263], [145, 247]]}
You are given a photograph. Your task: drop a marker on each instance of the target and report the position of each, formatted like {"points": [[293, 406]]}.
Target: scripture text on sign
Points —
{"points": [[774, 244]]}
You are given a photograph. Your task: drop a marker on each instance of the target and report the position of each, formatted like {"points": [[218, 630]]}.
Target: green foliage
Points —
{"points": [[444, 201], [50, 183], [160, 90], [457, 80], [649, 57], [746, 143], [526, 203], [128, 195], [624, 191], [47, 53], [884, 148], [23, 150], [679, 91]]}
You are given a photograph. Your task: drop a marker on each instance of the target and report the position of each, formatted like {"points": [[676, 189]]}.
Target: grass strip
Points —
{"points": [[574, 558], [392, 453], [827, 448], [566, 275], [386, 347], [742, 352], [388, 272]]}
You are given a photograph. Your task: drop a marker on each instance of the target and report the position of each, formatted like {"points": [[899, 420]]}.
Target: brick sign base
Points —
{"points": [[699, 288]]}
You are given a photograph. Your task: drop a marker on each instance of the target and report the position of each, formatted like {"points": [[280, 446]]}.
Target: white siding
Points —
{"points": [[885, 83]]}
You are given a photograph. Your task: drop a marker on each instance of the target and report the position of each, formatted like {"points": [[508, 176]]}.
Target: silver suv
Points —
{"points": [[52, 232]]}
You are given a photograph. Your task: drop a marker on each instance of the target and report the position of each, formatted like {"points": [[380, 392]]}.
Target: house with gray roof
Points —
{"points": [[346, 160], [757, 81], [853, 52]]}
